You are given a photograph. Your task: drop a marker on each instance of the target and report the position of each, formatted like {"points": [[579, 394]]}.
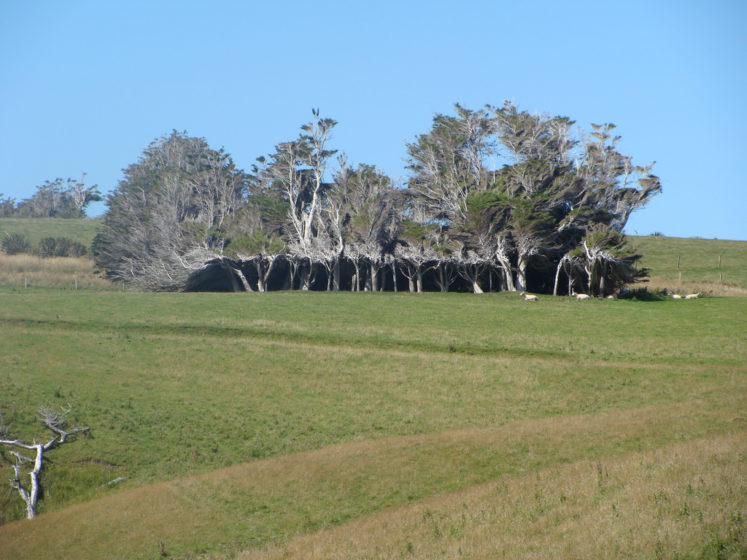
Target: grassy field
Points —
{"points": [[688, 265], [316, 425], [83, 230], [24, 271]]}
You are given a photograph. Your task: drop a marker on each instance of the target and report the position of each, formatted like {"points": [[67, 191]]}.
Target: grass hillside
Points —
{"points": [[82, 230], [317, 425], [685, 265]]}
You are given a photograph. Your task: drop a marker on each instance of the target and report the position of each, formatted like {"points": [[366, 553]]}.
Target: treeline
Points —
{"points": [[496, 199], [61, 198]]}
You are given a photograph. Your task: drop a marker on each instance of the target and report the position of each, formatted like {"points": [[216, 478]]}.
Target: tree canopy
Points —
{"points": [[496, 199], [61, 198]]}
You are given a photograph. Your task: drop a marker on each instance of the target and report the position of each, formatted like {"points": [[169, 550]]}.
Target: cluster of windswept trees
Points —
{"points": [[496, 199], [61, 198]]}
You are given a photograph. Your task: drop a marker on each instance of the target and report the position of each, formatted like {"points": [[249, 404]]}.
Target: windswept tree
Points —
{"points": [[296, 172], [61, 198], [498, 197], [364, 208], [448, 162], [551, 190], [165, 218]]}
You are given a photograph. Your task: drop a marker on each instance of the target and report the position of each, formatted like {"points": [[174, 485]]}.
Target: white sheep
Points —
{"points": [[692, 296], [582, 296], [676, 296], [529, 297]]}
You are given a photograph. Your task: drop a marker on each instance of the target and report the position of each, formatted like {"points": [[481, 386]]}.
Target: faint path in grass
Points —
{"points": [[684, 500], [273, 332], [255, 503]]}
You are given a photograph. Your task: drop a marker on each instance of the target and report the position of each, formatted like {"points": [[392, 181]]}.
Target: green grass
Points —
{"points": [[80, 230], [693, 259], [421, 395]]}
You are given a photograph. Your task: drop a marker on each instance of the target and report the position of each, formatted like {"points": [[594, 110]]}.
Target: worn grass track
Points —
{"points": [[273, 499], [684, 500], [243, 420]]}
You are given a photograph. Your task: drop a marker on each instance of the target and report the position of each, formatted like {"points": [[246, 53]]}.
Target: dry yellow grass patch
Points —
{"points": [[21, 271], [683, 287], [677, 500]]}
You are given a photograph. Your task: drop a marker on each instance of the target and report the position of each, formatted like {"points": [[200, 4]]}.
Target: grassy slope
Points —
{"points": [[21, 271], [660, 503], [333, 407], [698, 263], [82, 231]]}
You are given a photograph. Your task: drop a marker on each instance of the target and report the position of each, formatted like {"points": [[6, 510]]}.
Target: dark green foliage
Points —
{"points": [[60, 247], [7, 206], [15, 243]]}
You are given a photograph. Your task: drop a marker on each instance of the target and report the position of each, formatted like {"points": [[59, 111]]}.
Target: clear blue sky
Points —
{"points": [[86, 86]]}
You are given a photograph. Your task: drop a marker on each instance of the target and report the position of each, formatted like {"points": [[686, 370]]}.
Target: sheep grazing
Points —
{"points": [[676, 296], [692, 296], [582, 296], [529, 297]]}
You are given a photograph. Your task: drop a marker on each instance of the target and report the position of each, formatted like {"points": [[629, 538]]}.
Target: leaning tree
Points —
{"points": [[166, 216], [551, 191]]}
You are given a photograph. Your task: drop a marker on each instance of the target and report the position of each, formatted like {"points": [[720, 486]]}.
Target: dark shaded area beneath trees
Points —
{"points": [[224, 275]]}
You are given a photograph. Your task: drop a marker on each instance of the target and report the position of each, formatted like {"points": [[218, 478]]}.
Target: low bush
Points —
{"points": [[15, 244], [60, 247]]}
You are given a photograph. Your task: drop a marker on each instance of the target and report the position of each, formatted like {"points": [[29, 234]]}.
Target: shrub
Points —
{"points": [[60, 247], [15, 243], [643, 294]]}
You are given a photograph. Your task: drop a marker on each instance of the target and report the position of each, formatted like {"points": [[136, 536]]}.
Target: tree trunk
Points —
{"points": [[521, 274], [230, 273], [268, 271], [557, 276], [394, 275], [260, 268], [34, 475], [373, 272], [243, 279], [508, 278], [336, 275], [419, 273], [305, 276]]}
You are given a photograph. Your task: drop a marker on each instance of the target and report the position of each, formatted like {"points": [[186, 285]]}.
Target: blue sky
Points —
{"points": [[86, 86]]}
